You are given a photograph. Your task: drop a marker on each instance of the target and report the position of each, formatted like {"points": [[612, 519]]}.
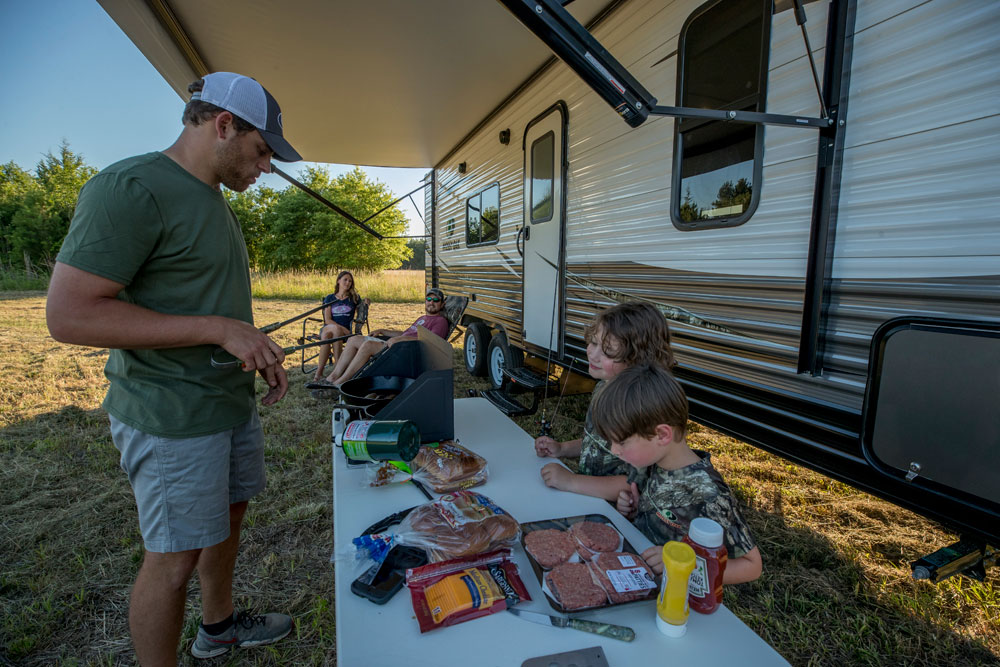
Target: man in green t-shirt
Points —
{"points": [[154, 267]]}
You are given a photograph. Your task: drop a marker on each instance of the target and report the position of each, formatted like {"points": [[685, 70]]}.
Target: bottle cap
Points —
{"points": [[705, 532], [669, 629]]}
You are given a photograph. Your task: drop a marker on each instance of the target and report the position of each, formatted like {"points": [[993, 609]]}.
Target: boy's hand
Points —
{"points": [[546, 446], [624, 504], [557, 476], [628, 501], [654, 558]]}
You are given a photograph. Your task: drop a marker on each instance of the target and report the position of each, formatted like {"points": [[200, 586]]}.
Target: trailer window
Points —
{"points": [[482, 216], [722, 65], [542, 174]]}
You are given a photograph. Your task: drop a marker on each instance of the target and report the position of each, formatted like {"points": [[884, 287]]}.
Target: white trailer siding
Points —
{"points": [[917, 226]]}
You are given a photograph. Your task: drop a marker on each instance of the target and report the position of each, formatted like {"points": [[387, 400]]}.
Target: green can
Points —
{"points": [[381, 440]]}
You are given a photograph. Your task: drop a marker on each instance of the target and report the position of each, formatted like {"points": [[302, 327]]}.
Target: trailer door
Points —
{"points": [[542, 234]]}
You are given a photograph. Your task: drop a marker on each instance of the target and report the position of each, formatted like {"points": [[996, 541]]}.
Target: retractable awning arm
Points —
{"points": [[574, 44]]}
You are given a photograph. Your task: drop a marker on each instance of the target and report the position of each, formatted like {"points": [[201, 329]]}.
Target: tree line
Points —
{"points": [[284, 229]]}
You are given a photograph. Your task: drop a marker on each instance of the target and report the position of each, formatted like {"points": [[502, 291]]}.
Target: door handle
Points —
{"points": [[525, 233]]}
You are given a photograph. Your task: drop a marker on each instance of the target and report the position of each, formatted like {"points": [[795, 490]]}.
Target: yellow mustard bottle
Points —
{"points": [[672, 605]]}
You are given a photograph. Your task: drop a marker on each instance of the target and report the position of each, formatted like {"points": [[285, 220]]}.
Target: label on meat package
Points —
{"points": [[627, 561], [632, 579]]}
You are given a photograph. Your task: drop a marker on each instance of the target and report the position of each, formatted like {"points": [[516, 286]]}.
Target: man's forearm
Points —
{"points": [[389, 333], [117, 324], [82, 309]]}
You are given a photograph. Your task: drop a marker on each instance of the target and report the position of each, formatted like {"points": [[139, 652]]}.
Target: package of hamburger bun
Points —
{"points": [[457, 524], [461, 589], [445, 466]]}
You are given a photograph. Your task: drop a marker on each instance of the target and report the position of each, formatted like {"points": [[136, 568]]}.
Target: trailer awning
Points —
{"points": [[394, 83]]}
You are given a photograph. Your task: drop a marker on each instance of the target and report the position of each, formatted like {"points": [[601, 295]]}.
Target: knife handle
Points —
{"points": [[609, 630]]}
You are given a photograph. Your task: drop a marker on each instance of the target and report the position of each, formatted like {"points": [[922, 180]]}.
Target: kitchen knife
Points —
{"points": [[621, 632]]}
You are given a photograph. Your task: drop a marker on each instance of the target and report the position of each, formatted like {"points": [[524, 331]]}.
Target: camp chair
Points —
{"points": [[454, 308], [360, 321]]}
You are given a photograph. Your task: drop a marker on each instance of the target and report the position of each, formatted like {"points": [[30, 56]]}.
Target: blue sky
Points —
{"points": [[70, 73]]}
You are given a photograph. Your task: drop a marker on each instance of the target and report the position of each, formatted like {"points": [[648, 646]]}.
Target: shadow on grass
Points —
{"points": [[69, 538], [818, 606]]}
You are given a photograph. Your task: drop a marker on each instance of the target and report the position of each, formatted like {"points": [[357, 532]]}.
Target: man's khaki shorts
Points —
{"points": [[184, 486]]}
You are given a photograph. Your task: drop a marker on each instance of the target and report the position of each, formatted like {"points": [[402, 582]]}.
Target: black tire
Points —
{"points": [[499, 356], [477, 339]]}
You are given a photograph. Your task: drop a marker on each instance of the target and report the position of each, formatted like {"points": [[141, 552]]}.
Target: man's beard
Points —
{"points": [[228, 169]]}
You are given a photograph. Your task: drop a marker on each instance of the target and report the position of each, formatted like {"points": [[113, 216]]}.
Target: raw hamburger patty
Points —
{"points": [[611, 561], [573, 586], [549, 547], [595, 536]]}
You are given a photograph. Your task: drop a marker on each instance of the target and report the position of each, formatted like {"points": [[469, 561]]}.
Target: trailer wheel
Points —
{"points": [[477, 337], [501, 355]]}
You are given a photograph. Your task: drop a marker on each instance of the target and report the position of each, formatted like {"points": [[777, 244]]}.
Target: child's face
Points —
{"points": [[345, 283], [603, 367], [638, 451]]}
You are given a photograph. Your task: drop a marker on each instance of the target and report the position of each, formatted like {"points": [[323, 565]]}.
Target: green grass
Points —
{"points": [[14, 280], [382, 287], [836, 588]]}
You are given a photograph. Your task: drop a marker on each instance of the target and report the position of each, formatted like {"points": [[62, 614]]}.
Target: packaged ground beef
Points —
{"points": [[550, 546], [461, 589], [625, 577], [595, 537], [574, 586]]}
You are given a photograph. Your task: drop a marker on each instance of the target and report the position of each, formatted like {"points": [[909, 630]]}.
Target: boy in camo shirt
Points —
{"points": [[643, 414], [621, 336]]}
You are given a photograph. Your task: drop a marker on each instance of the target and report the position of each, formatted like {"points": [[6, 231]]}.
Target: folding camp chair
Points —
{"points": [[454, 308], [360, 322]]}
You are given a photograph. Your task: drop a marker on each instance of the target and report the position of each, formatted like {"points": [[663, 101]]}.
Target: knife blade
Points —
{"points": [[608, 630]]}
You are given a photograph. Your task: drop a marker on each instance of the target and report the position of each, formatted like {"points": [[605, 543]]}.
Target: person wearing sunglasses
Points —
{"points": [[359, 350]]}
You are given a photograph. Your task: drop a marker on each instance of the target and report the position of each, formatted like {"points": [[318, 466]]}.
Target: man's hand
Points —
{"points": [[557, 476], [654, 558], [248, 344], [399, 338], [277, 380], [546, 446]]}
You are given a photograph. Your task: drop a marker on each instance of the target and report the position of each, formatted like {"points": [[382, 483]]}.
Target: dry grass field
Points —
{"points": [[836, 588]]}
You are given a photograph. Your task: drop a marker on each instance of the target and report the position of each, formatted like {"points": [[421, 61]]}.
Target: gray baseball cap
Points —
{"points": [[244, 97]]}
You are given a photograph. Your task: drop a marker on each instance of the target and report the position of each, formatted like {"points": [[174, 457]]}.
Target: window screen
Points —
{"points": [[482, 216], [722, 65], [542, 174]]}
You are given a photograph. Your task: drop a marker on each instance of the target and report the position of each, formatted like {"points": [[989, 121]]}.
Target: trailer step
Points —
{"points": [[507, 405], [529, 379]]}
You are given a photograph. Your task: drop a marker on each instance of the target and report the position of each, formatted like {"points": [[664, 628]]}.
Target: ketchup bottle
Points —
{"points": [[705, 586]]}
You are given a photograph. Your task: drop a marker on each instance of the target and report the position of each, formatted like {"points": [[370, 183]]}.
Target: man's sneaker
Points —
{"points": [[248, 630]]}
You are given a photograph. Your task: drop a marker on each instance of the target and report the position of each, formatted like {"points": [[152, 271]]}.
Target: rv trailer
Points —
{"points": [[833, 290], [804, 189]]}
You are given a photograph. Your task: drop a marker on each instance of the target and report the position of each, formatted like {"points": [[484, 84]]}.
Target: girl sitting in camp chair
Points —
{"points": [[338, 314]]}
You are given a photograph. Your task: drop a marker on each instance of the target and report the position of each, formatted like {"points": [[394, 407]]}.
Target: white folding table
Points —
{"points": [[370, 634]]}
